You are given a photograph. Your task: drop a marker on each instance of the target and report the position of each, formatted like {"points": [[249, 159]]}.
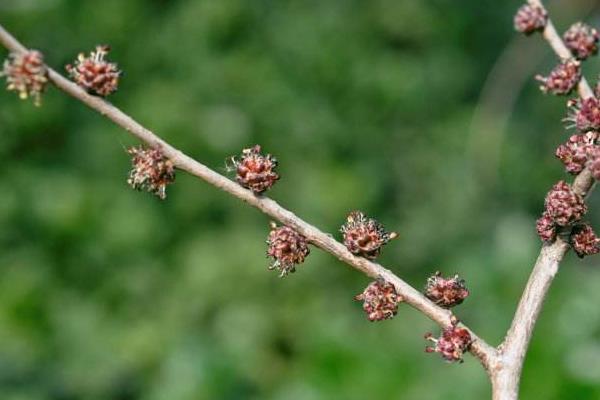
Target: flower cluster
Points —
{"points": [[287, 248], [530, 18], [365, 236], [451, 344], [94, 73], [575, 151], [446, 292], [585, 114], [255, 171], [584, 240], [562, 79], [546, 228], [26, 74], [582, 40], [593, 161], [563, 205], [151, 171], [380, 300]]}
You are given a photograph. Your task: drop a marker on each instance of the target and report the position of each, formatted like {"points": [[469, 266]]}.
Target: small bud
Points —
{"points": [[574, 152], [151, 172], [287, 248], [452, 343], [562, 79], [255, 171], [365, 236], [380, 300], [582, 40], [94, 73], [529, 19], [446, 292], [593, 161], [585, 114], [546, 228], [584, 240], [563, 205], [26, 74]]}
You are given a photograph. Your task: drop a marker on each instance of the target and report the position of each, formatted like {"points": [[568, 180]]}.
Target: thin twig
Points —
{"points": [[513, 350], [484, 352]]}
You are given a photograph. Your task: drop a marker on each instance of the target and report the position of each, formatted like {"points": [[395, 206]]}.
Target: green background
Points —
{"points": [[423, 114]]}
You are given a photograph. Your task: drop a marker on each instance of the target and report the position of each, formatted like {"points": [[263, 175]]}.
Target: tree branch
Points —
{"points": [[484, 352], [513, 350]]}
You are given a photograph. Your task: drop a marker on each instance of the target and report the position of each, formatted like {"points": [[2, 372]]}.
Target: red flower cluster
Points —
{"points": [[451, 344], [365, 236], [380, 300], [151, 171], [446, 292], [593, 162], [563, 205], [255, 171], [287, 248], [546, 228], [584, 241], [582, 40], [94, 73], [26, 74], [585, 114], [562, 79], [529, 19], [574, 152]]}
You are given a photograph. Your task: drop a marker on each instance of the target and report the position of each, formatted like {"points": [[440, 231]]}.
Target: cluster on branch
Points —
{"points": [[564, 207]]}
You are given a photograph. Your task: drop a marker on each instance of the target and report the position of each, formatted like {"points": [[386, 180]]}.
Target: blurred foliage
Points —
{"points": [[108, 293]]}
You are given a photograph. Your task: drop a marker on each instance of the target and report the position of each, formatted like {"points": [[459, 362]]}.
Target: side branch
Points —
{"points": [[513, 350], [484, 352]]}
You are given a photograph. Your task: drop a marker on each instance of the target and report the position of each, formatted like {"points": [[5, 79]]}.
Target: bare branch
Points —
{"points": [[484, 352]]}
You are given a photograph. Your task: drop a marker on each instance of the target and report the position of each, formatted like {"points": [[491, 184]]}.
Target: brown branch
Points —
{"points": [[512, 352], [484, 352]]}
